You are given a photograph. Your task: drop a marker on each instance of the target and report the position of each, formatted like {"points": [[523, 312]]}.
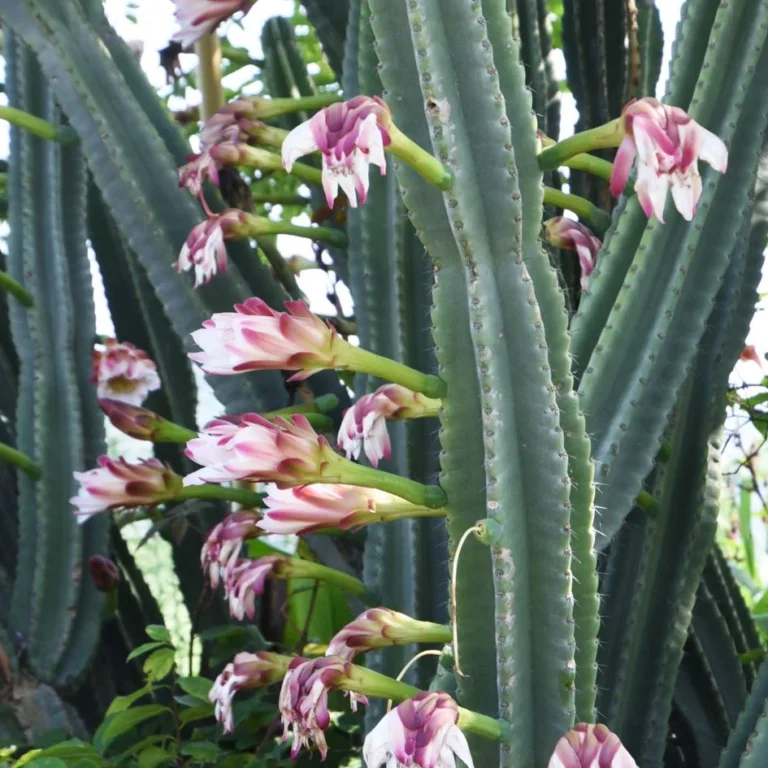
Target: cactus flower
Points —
{"points": [[590, 746], [247, 579], [117, 484], [198, 18], [105, 575], [667, 144], [221, 550], [750, 353], [247, 670], [382, 628], [422, 732], [123, 372], [280, 451], [365, 423], [204, 250], [352, 136], [307, 508], [572, 236], [225, 125], [304, 700]]}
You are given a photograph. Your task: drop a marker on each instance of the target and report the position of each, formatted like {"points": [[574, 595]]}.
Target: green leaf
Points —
{"points": [[159, 632], [47, 762], [204, 751], [199, 687], [330, 611], [192, 714], [142, 649], [121, 703], [159, 664], [122, 722], [69, 750], [154, 757]]}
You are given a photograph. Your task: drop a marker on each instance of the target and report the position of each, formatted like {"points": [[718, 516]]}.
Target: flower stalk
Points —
{"points": [[208, 53], [602, 137], [582, 162], [264, 109], [264, 160], [426, 165], [17, 290], [37, 126], [249, 499], [586, 211], [20, 460]]}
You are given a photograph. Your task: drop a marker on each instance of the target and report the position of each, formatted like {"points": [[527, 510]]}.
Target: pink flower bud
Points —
{"points": [[246, 580], [221, 550], [247, 670], [197, 18], [571, 236], [590, 746], [255, 337], [304, 700], [351, 135], [422, 732], [204, 251], [310, 507], [122, 372], [117, 484], [365, 423], [667, 144], [138, 423], [224, 126], [281, 451], [104, 573]]}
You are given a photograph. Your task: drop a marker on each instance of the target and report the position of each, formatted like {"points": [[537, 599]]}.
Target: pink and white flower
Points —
{"points": [[352, 136], [123, 372], [667, 144], [225, 126], [255, 337], [590, 746], [304, 700], [118, 484], [422, 732], [197, 18], [246, 580], [221, 550], [204, 250], [283, 451], [307, 508], [365, 423], [247, 670], [572, 236]]}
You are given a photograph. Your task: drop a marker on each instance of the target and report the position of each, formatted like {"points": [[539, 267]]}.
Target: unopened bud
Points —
{"points": [[104, 573]]}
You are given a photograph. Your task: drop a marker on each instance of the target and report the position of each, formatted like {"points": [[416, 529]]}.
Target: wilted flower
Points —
{"points": [[351, 135], [668, 145], [306, 508], [365, 423], [590, 746], [105, 575], [246, 580], [122, 372], [197, 18], [572, 236], [281, 451], [204, 250], [304, 700], [382, 628], [116, 484], [247, 670], [422, 732], [221, 550]]}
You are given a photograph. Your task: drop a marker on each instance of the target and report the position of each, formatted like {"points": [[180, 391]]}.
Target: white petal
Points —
{"points": [[297, 143], [713, 150], [347, 183], [457, 741], [684, 195]]}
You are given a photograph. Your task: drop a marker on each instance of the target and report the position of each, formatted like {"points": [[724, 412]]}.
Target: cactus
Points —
{"points": [[567, 425]]}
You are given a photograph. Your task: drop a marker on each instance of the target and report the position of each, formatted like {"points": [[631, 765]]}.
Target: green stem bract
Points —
{"points": [[21, 294], [242, 496], [362, 361], [425, 164], [21, 460], [602, 137], [591, 164], [586, 211], [37, 126]]}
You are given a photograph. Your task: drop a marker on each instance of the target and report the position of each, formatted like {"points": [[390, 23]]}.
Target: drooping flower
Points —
{"points": [[118, 484], [307, 508], [383, 628], [750, 353], [105, 575], [256, 337], [365, 423], [590, 746], [224, 126], [304, 700], [123, 372], [221, 550], [246, 580], [667, 144], [204, 250], [247, 670], [197, 18], [283, 451], [572, 236], [422, 732], [352, 136]]}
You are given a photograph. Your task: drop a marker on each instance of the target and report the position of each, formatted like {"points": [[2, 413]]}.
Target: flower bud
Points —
{"points": [[590, 746], [104, 573]]}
